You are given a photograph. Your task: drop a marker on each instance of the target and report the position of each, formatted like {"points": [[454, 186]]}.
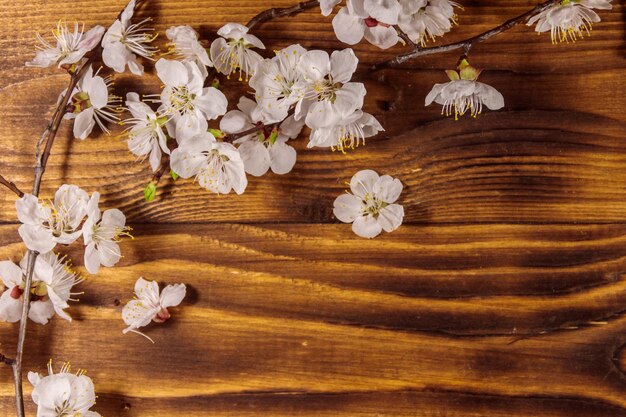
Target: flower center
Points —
{"points": [[181, 99], [373, 205], [326, 89], [370, 22], [80, 102]]}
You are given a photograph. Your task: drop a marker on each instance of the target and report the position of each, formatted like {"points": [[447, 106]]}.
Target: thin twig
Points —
{"points": [[165, 164], [6, 361], [49, 136], [466, 44], [281, 12], [11, 186]]}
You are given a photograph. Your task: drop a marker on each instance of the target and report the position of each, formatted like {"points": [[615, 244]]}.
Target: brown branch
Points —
{"points": [[11, 186], [258, 128], [466, 44], [48, 135], [165, 164], [281, 12]]}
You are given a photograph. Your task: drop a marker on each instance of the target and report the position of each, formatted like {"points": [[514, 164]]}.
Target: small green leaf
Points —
{"points": [[174, 175], [150, 192], [273, 136], [217, 133]]}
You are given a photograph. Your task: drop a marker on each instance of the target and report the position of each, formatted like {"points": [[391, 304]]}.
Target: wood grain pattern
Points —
{"points": [[504, 294]]}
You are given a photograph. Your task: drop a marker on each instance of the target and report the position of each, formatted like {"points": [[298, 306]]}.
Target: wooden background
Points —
{"points": [[503, 294]]}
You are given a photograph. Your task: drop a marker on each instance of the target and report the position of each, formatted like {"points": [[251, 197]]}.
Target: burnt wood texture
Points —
{"points": [[503, 294]]}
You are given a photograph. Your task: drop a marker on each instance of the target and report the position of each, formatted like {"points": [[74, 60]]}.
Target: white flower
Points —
{"points": [[569, 20], [232, 51], [328, 5], [70, 47], [47, 223], [102, 233], [185, 44], [149, 305], [349, 133], [264, 149], [185, 100], [146, 136], [63, 394], [463, 93], [329, 95], [370, 208], [278, 83], [124, 41], [92, 105], [217, 166], [425, 19], [50, 288], [372, 19]]}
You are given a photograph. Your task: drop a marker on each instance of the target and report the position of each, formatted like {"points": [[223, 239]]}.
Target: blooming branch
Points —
{"points": [[466, 44], [42, 157]]}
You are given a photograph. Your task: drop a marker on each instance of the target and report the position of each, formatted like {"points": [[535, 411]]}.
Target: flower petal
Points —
{"points": [[366, 227], [363, 183], [173, 295], [283, 158], [390, 217], [347, 208]]}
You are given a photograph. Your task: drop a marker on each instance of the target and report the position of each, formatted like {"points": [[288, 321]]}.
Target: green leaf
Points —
{"points": [[150, 192], [174, 175], [273, 136], [218, 134]]}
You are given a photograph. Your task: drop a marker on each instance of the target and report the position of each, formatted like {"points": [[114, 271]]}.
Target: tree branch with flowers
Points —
{"points": [[188, 130]]}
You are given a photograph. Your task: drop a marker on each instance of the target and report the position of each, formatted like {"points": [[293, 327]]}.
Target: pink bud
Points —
{"points": [[16, 292]]}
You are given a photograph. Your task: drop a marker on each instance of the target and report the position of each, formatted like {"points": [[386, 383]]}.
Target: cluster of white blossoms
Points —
{"points": [[377, 20], [63, 394], [46, 224], [293, 89]]}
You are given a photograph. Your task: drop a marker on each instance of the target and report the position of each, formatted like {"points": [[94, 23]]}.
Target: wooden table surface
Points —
{"points": [[503, 294]]}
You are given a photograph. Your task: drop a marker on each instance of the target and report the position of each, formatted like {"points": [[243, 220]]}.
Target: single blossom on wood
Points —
{"points": [[150, 306], [371, 207]]}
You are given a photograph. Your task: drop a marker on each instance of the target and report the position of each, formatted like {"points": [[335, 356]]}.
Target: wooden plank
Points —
{"points": [[282, 316]]}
